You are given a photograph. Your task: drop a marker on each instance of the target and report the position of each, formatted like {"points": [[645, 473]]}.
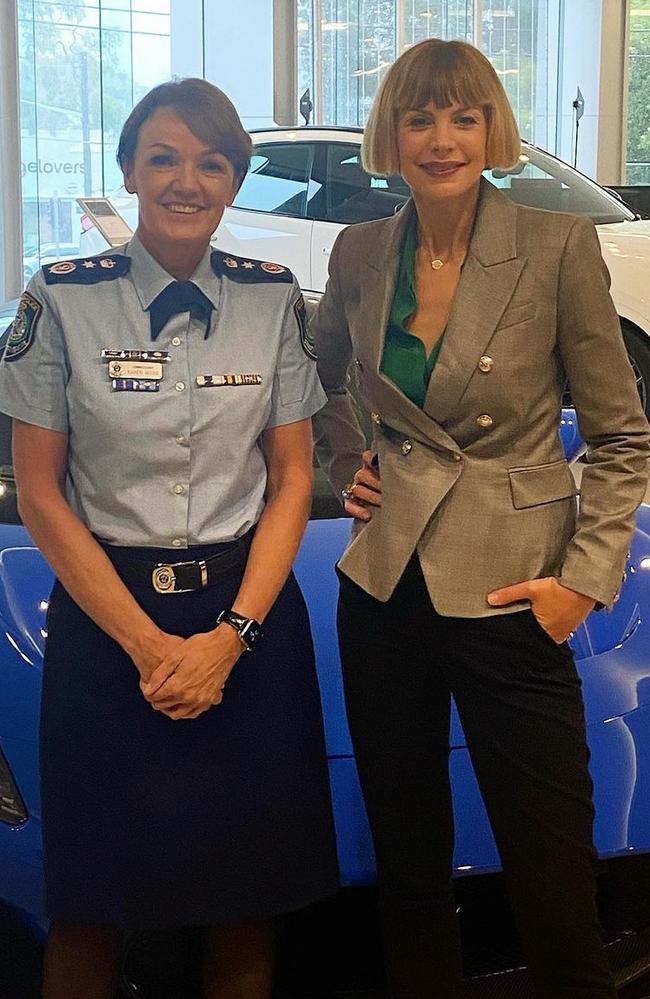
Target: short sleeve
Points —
{"points": [[297, 391], [33, 370]]}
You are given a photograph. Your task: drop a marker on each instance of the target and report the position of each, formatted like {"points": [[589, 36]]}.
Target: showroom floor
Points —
{"points": [[167, 975]]}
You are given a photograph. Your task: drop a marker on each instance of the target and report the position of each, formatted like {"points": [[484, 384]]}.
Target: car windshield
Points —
{"points": [[542, 181]]}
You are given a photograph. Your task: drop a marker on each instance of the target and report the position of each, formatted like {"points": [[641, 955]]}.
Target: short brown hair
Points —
{"points": [[444, 72], [207, 112]]}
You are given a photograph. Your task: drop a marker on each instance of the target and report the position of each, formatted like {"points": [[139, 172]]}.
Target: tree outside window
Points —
{"points": [[638, 120]]}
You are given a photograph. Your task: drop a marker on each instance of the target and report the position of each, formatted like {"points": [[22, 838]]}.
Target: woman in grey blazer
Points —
{"points": [[470, 562]]}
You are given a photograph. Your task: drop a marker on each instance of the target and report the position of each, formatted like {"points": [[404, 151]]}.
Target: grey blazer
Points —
{"points": [[477, 481]]}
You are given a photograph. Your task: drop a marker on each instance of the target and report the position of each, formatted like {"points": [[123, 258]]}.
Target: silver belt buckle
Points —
{"points": [[163, 577]]}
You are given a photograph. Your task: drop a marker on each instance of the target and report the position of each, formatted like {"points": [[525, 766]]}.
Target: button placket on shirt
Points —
{"points": [[180, 377]]}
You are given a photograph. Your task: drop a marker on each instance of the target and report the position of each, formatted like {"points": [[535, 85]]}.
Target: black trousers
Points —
{"points": [[519, 699]]}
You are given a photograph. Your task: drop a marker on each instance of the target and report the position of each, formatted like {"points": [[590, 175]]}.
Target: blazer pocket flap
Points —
{"points": [[537, 484], [517, 314]]}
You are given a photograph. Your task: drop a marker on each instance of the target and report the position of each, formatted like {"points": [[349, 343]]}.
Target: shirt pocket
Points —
{"points": [[534, 485], [517, 315]]}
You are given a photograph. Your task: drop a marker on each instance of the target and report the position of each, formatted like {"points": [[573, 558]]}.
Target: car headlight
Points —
{"points": [[12, 806]]}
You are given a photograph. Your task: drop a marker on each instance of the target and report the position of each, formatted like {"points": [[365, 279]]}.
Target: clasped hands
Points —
{"points": [[558, 609], [183, 677]]}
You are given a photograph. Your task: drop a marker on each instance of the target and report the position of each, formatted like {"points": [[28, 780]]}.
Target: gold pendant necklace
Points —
{"points": [[437, 263]]}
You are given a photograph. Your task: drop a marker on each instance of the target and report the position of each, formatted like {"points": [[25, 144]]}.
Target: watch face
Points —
{"points": [[248, 628], [251, 633]]}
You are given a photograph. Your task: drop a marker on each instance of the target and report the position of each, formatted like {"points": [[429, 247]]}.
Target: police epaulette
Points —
{"points": [[248, 270], [87, 270]]}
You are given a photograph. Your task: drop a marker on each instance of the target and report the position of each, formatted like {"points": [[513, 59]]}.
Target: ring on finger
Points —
{"points": [[348, 491]]}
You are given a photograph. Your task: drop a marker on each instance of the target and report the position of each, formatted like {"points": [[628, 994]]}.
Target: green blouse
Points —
{"points": [[404, 359]]}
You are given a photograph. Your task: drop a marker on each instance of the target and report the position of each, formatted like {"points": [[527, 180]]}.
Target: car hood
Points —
{"points": [[626, 249], [25, 584], [630, 236]]}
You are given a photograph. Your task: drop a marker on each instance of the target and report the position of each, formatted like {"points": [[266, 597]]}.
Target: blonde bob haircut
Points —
{"points": [[445, 73]]}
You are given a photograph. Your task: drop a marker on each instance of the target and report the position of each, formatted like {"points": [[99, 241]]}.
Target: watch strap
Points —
{"points": [[248, 629]]}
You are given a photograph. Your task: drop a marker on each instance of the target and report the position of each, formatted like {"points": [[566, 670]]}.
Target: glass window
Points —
{"points": [[83, 65], [278, 179], [438, 19], [305, 37], [638, 121], [351, 194], [514, 37], [541, 181], [358, 42]]}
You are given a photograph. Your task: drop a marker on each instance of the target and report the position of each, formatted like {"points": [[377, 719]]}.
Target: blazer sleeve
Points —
{"points": [[610, 418], [338, 438]]}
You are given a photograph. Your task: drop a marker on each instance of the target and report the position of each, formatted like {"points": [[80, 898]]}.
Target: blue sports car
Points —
{"points": [[613, 654]]}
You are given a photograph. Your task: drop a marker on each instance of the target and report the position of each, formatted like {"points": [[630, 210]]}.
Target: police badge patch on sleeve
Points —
{"points": [[23, 328], [305, 336]]}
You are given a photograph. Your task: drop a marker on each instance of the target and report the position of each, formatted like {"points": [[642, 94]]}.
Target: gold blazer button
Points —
{"points": [[485, 363], [407, 447], [485, 421], [376, 418]]}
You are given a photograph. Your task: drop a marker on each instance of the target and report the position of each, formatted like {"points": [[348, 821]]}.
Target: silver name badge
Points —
{"points": [[135, 355], [135, 385], [135, 369], [215, 381]]}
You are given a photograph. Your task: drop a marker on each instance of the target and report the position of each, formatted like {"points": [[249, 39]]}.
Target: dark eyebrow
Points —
{"points": [[460, 110], [204, 152]]}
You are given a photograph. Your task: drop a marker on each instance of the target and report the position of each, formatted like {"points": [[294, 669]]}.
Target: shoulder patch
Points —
{"points": [[248, 271], [306, 338], [87, 270], [20, 335]]}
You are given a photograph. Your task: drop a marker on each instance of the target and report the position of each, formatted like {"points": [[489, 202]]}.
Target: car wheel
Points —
{"points": [[638, 348], [638, 351]]}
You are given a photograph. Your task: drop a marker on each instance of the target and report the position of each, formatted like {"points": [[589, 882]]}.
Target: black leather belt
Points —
{"points": [[183, 577], [186, 576]]}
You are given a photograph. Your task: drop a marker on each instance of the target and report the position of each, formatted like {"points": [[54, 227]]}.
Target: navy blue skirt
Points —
{"points": [[150, 822]]}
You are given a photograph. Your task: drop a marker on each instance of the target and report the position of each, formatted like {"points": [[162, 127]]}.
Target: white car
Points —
{"points": [[306, 184]]}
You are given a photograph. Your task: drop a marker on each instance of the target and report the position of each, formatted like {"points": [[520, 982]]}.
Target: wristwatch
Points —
{"points": [[248, 629]]}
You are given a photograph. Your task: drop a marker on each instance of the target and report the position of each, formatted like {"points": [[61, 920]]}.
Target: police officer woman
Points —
{"points": [[161, 396]]}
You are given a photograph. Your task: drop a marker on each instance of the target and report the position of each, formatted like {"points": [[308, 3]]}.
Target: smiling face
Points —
{"points": [[442, 151], [183, 187]]}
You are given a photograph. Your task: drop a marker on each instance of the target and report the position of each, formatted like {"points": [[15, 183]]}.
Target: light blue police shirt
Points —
{"points": [[182, 465]]}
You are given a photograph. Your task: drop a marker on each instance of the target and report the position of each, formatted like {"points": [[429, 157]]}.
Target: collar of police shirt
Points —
{"points": [[150, 278], [179, 296]]}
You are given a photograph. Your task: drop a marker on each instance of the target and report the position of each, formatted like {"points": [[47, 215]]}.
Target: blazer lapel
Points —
{"points": [[487, 281], [380, 267], [378, 280]]}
